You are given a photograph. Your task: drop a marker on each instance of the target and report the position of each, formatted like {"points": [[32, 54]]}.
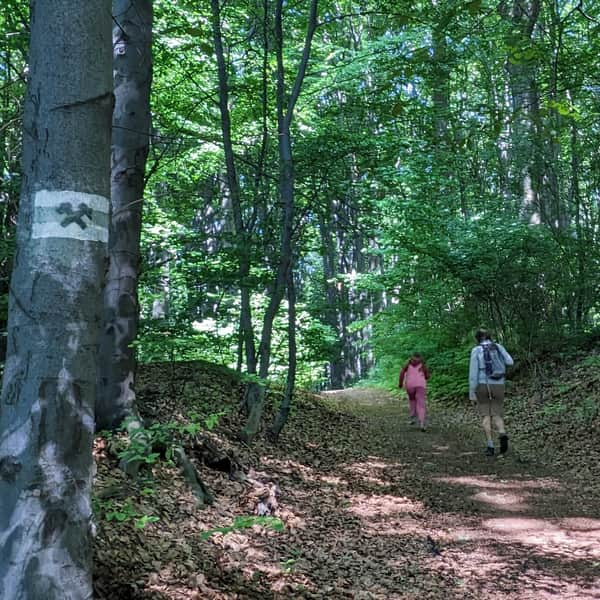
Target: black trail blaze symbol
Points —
{"points": [[74, 216]]}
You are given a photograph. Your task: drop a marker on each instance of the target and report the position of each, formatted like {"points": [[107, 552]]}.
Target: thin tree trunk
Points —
{"points": [[581, 287], [285, 113], [331, 311], [132, 74], [48, 391], [286, 404], [243, 239]]}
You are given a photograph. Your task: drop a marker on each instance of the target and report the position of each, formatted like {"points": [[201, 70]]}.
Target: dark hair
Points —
{"points": [[482, 334]]}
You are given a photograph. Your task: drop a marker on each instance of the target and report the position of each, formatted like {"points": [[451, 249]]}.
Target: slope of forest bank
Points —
{"points": [[352, 502]]}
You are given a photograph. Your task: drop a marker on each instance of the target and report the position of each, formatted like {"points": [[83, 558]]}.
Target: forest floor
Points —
{"points": [[363, 506]]}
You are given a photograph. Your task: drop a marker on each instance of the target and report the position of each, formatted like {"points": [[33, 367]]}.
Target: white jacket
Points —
{"points": [[477, 372]]}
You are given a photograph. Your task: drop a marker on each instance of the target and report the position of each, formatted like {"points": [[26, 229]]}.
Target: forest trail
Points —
{"points": [[488, 528], [368, 508]]}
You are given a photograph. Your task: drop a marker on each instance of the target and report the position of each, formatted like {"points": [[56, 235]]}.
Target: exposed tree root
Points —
{"points": [[192, 476]]}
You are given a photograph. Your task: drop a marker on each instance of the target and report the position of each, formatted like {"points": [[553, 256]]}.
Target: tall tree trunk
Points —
{"points": [[581, 289], [48, 390], [331, 311], [286, 404], [285, 114], [242, 236], [524, 156], [12, 64], [132, 75]]}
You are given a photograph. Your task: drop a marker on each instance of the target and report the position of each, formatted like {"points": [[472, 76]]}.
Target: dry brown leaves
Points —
{"points": [[371, 509]]}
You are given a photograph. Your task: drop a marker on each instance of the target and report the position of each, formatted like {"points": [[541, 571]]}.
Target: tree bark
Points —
{"points": [[48, 390], [332, 309], [524, 157], [286, 403], [285, 114], [132, 75], [242, 234]]}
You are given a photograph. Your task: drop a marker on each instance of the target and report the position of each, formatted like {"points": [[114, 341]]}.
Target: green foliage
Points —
{"points": [[122, 511], [288, 565], [245, 522], [592, 361], [419, 190], [143, 441], [581, 411]]}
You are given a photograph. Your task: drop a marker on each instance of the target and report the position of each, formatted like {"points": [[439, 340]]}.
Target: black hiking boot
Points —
{"points": [[503, 444], [489, 451]]}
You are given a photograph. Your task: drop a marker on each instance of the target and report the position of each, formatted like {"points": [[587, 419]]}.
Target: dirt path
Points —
{"points": [[372, 510], [458, 524]]}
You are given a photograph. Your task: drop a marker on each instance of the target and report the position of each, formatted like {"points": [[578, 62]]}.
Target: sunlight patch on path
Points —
{"points": [[486, 481], [369, 507], [491, 529], [503, 500], [553, 536], [372, 471], [511, 495]]}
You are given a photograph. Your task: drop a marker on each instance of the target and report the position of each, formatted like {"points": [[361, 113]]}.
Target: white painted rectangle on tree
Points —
{"points": [[70, 214]]}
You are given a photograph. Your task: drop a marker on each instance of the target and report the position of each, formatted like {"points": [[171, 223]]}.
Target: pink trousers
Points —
{"points": [[416, 403]]}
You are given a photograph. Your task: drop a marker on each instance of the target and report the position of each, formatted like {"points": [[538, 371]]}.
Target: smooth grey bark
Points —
{"points": [[441, 86], [48, 389], [557, 210], [242, 233], [523, 156], [534, 154], [285, 112], [132, 76], [290, 384], [331, 311]]}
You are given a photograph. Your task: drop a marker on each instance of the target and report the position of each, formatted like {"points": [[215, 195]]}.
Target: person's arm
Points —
{"points": [[402, 375], [508, 360], [426, 371], [473, 373]]}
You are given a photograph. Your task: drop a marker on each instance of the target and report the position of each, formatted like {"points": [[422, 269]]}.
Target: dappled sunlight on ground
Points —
{"points": [[372, 471], [371, 509], [290, 467], [511, 495], [543, 535], [378, 507], [485, 481], [502, 500], [332, 480], [396, 527]]}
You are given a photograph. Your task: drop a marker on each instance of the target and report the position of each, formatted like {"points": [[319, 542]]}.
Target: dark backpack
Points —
{"points": [[493, 361]]}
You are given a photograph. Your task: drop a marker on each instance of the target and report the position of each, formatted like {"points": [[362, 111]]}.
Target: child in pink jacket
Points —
{"points": [[413, 377]]}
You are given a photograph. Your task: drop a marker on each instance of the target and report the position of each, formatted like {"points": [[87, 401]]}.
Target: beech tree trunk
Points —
{"points": [[290, 384], [132, 75], [48, 390], [331, 312], [285, 113], [242, 232], [524, 97]]}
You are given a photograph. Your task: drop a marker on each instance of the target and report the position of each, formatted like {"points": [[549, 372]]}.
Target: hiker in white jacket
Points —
{"points": [[487, 370]]}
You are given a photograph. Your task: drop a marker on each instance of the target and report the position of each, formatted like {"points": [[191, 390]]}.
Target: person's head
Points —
{"points": [[416, 358], [481, 335]]}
